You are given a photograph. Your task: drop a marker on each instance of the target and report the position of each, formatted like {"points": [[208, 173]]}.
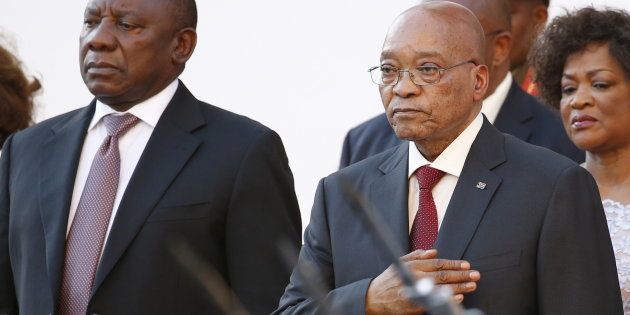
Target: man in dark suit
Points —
{"points": [[506, 106], [147, 201], [521, 229]]}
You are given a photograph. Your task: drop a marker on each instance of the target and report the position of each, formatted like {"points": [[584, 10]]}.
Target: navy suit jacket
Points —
{"points": [[536, 232], [521, 115], [209, 198]]}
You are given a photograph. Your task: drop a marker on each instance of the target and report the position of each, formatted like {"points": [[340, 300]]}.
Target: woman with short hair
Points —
{"points": [[582, 62]]}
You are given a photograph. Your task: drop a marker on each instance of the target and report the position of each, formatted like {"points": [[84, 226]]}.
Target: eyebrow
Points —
{"points": [[589, 73]]}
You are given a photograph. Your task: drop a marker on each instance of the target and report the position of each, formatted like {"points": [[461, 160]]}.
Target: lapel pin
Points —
{"points": [[481, 185]]}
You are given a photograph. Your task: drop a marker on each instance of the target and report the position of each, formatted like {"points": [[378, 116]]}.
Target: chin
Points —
{"points": [[103, 89], [410, 134]]}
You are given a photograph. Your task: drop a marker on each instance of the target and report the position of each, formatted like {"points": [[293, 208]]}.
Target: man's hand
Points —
{"points": [[386, 295]]}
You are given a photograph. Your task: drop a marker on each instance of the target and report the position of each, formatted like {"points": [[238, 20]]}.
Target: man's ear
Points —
{"points": [[481, 83], [502, 48], [540, 16], [184, 43]]}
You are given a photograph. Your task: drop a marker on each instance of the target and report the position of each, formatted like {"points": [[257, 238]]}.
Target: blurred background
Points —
{"points": [[299, 67]]}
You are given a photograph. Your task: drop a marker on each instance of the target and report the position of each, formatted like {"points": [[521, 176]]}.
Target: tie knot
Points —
{"points": [[118, 125], [428, 176]]}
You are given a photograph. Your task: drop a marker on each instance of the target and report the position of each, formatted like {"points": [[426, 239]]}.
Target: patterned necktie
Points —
{"points": [[424, 230], [87, 233]]}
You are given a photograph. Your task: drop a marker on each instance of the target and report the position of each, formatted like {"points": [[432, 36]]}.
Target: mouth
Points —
{"points": [[100, 68], [582, 121], [406, 111]]}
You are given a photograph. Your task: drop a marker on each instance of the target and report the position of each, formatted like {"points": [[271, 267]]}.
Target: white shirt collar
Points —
{"points": [[148, 111], [493, 102], [451, 160]]}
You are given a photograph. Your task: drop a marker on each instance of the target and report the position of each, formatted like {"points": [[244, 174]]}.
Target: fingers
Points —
{"points": [[459, 298], [465, 287], [419, 255], [454, 276], [429, 265]]}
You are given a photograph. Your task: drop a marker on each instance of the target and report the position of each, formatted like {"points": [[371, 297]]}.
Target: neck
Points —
{"points": [[432, 147], [611, 170]]}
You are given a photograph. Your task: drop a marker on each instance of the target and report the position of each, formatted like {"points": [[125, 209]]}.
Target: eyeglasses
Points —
{"points": [[424, 75]]}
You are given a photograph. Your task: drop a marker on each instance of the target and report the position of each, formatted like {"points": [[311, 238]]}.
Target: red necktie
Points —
{"points": [[89, 226], [424, 230]]}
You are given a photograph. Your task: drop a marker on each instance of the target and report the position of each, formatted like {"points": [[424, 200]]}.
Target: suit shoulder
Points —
{"points": [[536, 157], [226, 119], [541, 111], [46, 125], [368, 167], [374, 125]]}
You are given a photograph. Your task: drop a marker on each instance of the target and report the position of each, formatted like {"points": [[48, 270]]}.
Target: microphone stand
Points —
{"points": [[437, 300]]}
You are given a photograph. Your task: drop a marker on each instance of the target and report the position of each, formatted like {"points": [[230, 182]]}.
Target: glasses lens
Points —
{"points": [[426, 75], [384, 75]]}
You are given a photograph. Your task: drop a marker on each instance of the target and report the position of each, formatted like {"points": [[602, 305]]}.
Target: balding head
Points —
{"points": [[437, 49], [495, 18], [454, 26]]}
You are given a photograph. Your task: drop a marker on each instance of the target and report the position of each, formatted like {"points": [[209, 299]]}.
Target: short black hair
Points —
{"points": [[571, 33], [185, 13]]}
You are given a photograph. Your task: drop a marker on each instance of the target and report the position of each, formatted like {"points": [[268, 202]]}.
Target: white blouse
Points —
{"points": [[618, 217]]}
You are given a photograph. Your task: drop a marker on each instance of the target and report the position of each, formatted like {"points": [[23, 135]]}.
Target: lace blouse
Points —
{"points": [[618, 217]]}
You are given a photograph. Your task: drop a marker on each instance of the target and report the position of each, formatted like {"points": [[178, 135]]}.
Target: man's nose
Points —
{"points": [[101, 37], [405, 86]]}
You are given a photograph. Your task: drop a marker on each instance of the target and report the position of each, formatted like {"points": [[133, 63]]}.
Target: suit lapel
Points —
{"points": [[388, 197], [57, 169], [475, 188], [515, 115], [168, 150]]}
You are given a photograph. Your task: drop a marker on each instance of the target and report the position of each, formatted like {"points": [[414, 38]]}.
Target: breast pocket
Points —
{"points": [[496, 261], [191, 211]]}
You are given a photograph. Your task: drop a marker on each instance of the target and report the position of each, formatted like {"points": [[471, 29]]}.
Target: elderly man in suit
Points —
{"points": [[506, 105], [513, 228], [147, 201]]}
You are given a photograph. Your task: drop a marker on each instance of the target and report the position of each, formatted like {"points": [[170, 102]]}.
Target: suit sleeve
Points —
{"points": [[8, 302], [263, 213], [346, 151], [576, 264], [312, 288]]}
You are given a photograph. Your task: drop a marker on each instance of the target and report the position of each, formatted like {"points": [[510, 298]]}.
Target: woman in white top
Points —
{"points": [[582, 62], [16, 96]]}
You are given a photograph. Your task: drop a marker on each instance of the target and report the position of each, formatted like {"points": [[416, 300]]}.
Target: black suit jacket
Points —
{"points": [[521, 115], [537, 232], [211, 196]]}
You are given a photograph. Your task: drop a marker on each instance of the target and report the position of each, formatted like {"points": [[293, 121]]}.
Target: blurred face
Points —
{"points": [[436, 112], [528, 18], [126, 49], [595, 103]]}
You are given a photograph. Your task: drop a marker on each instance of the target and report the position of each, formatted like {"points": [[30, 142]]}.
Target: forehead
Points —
{"points": [[592, 57], [422, 35], [144, 8]]}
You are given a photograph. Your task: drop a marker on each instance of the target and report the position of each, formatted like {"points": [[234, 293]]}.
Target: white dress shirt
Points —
{"points": [[450, 161], [492, 104], [131, 145]]}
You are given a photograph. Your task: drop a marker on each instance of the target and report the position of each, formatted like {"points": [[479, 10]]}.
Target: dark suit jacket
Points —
{"points": [[210, 185], [537, 232], [521, 115]]}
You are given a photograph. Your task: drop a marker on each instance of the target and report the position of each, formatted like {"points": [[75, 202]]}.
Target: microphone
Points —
{"points": [[437, 300]]}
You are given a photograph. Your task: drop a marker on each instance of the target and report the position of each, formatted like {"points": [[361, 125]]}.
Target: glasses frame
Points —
{"points": [[411, 76]]}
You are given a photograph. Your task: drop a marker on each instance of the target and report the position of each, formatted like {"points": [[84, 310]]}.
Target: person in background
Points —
{"points": [[506, 105], [582, 62], [16, 95], [528, 19]]}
